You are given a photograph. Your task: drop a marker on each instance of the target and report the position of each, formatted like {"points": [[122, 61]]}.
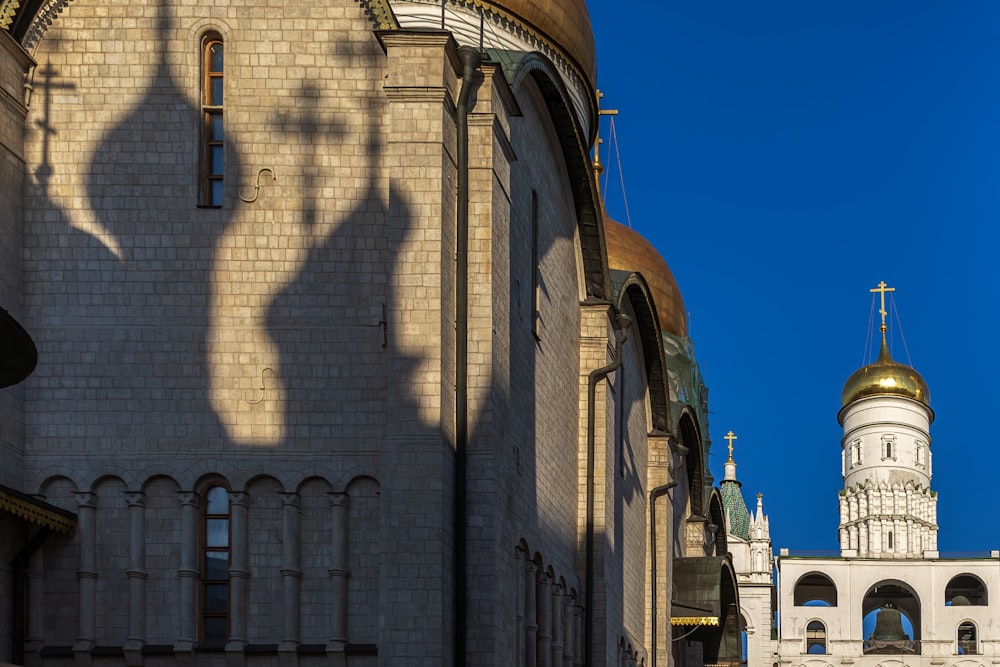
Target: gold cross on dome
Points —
{"points": [[882, 288], [730, 437]]}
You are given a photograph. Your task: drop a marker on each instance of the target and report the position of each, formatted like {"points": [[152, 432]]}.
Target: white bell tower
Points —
{"points": [[887, 508]]}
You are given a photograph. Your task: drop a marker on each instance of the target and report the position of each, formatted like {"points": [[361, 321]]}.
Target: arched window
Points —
{"points": [[967, 644], [815, 590], [213, 148], [888, 447], [965, 590], [890, 618], [215, 526], [816, 638]]}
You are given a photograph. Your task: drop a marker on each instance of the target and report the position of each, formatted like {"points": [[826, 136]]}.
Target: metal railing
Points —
{"points": [[892, 646], [968, 647]]}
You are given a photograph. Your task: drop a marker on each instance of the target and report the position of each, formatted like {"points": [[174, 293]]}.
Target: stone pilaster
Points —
{"points": [[35, 639], [530, 615], [291, 578], [188, 573], [239, 580], [136, 574], [339, 573], [659, 549], [87, 576], [557, 625], [420, 88], [544, 620]]}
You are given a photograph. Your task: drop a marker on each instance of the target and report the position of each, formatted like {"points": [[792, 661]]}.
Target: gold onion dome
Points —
{"points": [[629, 251], [885, 377], [565, 23]]}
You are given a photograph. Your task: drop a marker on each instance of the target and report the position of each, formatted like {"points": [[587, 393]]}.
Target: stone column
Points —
{"points": [[35, 627], [580, 654], [189, 576], [291, 576], [557, 626], [569, 636], [519, 570], [339, 573], [544, 620], [86, 530], [239, 579], [530, 616], [136, 574]]}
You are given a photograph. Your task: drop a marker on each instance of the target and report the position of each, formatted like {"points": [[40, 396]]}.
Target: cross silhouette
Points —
{"points": [[882, 289], [730, 437], [44, 171]]}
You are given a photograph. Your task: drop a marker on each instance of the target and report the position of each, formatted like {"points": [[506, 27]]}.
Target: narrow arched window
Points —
{"points": [[967, 644], [213, 148], [816, 638], [215, 567]]}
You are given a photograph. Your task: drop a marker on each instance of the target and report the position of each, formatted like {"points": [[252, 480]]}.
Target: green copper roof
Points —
{"points": [[736, 509]]}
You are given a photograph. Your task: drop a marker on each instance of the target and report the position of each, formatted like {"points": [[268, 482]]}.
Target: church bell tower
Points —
{"points": [[887, 508]]}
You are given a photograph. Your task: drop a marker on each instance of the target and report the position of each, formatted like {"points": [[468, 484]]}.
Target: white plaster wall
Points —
{"points": [[870, 419], [855, 577]]}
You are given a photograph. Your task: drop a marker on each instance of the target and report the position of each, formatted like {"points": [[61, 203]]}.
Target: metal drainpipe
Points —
{"points": [[623, 322], [657, 492], [470, 59]]}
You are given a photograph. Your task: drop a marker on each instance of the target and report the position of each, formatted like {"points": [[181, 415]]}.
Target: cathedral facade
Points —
{"points": [[339, 359]]}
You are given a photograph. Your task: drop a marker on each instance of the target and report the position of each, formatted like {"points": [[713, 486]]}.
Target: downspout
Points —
{"points": [[470, 59], [596, 376], [656, 493], [653, 496]]}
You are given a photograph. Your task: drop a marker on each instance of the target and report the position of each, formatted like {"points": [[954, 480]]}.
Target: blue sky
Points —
{"points": [[786, 156]]}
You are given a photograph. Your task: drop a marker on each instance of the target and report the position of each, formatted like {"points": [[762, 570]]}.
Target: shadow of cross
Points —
{"points": [[44, 171], [311, 128]]}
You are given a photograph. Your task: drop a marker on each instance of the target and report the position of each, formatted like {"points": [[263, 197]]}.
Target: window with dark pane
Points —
{"points": [[213, 158], [215, 567]]}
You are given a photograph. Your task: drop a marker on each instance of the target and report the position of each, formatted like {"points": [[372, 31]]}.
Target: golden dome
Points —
{"points": [[885, 377], [629, 251], [565, 23]]}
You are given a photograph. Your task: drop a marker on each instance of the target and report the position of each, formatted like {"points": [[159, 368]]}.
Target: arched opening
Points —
{"points": [[815, 590], [816, 638], [891, 619], [694, 464], [967, 639], [965, 590], [716, 525]]}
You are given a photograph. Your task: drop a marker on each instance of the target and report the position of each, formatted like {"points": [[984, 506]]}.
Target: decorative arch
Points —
{"points": [[966, 590], [636, 291], [902, 603], [576, 153], [815, 589], [694, 462], [717, 523]]}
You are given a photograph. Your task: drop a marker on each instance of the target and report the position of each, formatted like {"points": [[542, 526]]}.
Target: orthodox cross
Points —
{"points": [[882, 288], [730, 437], [597, 143]]}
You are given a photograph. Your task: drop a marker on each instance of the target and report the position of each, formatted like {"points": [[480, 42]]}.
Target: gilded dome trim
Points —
{"points": [[576, 42], [885, 377]]}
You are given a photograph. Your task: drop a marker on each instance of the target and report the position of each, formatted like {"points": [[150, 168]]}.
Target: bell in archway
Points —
{"points": [[889, 625]]}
